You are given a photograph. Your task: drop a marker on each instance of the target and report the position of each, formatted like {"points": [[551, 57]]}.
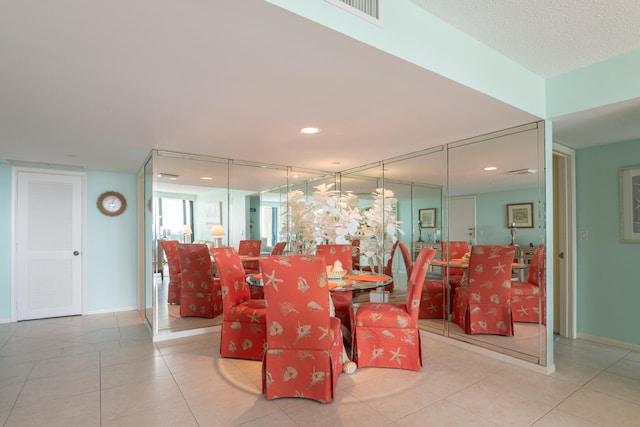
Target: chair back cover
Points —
{"points": [[453, 250], [173, 259], [233, 280], [406, 258], [537, 267], [197, 289], [416, 282], [278, 248], [297, 291], [249, 247]]}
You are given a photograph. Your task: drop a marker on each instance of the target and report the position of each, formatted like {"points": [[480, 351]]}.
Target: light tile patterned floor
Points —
{"points": [[103, 370]]}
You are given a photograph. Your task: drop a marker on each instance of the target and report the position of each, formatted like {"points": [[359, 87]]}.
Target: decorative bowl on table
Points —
{"points": [[336, 274]]}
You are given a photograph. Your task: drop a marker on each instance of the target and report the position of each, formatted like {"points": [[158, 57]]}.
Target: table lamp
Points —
{"points": [[186, 230], [218, 233]]}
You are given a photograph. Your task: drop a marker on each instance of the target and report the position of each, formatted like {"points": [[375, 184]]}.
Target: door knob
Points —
{"points": [[561, 255], [76, 253]]}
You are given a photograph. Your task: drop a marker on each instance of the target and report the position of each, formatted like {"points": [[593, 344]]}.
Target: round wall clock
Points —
{"points": [[111, 203]]}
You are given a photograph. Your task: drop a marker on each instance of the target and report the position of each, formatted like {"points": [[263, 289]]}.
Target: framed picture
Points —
{"points": [[629, 187], [427, 217], [213, 214], [520, 215]]}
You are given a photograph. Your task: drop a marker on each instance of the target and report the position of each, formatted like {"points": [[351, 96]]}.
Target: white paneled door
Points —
{"points": [[462, 219], [48, 218]]}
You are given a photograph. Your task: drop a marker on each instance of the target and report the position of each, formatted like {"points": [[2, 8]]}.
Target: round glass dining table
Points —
{"points": [[355, 281]]}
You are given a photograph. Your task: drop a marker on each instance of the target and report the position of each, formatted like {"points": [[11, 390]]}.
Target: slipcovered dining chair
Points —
{"points": [[200, 293], [482, 305], [453, 250], [250, 248], [388, 267], [343, 301], [528, 300], [170, 248], [304, 344], [387, 334], [256, 291], [243, 319]]}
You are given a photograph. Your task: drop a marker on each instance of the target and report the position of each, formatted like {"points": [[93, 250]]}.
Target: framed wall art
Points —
{"points": [[520, 215], [427, 217]]}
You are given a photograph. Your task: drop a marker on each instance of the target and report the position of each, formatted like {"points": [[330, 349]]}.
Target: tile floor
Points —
{"points": [[103, 370]]}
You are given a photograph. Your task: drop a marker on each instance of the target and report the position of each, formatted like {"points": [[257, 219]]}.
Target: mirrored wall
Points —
{"points": [[443, 193]]}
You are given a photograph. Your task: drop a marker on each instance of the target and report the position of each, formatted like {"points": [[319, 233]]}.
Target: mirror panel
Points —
{"points": [[516, 179], [418, 182]]}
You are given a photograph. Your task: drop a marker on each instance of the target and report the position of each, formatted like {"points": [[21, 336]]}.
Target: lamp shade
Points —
{"points": [[217, 231], [187, 229]]}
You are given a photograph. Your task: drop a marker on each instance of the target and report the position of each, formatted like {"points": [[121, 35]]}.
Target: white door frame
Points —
{"points": [[566, 199], [14, 208]]}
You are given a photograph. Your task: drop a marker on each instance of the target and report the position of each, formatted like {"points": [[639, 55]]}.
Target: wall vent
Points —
{"points": [[368, 9], [522, 171]]}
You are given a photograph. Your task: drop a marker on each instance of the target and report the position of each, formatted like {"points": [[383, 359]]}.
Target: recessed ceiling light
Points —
{"points": [[490, 168], [309, 131], [335, 163], [206, 177]]}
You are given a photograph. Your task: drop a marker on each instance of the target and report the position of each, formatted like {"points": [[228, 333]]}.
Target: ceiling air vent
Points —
{"points": [[368, 9]]}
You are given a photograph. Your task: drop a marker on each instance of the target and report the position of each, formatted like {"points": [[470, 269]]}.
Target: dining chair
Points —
{"points": [[250, 248], [170, 248], [304, 343], [528, 299], [388, 267], [200, 293], [387, 334], [482, 304], [243, 319], [256, 291], [453, 276], [343, 301]]}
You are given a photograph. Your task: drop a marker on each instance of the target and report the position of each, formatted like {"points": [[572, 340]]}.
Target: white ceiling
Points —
{"points": [[99, 84]]}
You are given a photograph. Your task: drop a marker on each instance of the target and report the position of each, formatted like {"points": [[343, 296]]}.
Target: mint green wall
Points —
{"points": [[111, 246], [5, 243], [410, 33], [608, 288], [491, 217], [604, 83]]}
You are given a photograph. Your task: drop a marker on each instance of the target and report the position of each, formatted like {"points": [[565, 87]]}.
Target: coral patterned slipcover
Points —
{"points": [[170, 248], [304, 344], [528, 298], [453, 250], [482, 305], [200, 294], [256, 291], [243, 318], [251, 248], [387, 334], [342, 301]]}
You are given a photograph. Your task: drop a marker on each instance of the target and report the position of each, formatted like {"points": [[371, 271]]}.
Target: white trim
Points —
{"points": [[609, 341], [111, 310], [568, 293]]}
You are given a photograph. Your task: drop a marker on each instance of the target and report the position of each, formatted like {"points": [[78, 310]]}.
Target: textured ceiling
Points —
{"points": [[548, 37]]}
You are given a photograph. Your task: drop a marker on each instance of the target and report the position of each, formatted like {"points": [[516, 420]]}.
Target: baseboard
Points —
{"points": [[609, 341], [187, 333], [111, 310]]}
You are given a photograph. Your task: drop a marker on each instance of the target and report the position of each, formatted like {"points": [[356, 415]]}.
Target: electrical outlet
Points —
{"points": [[584, 235]]}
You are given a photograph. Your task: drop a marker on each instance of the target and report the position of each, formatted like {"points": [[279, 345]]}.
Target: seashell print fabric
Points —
{"points": [[199, 292], [170, 248], [528, 301], [303, 342], [387, 334], [483, 306], [244, 330]]}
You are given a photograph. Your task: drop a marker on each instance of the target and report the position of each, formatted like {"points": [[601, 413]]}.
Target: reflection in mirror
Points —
{"points": [[152, 265], [418, 182], [494, 171], [207, 194]]}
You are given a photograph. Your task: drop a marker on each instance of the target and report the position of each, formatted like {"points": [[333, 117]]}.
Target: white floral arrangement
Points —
{"points": [[329, 217], [380, 229]]}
